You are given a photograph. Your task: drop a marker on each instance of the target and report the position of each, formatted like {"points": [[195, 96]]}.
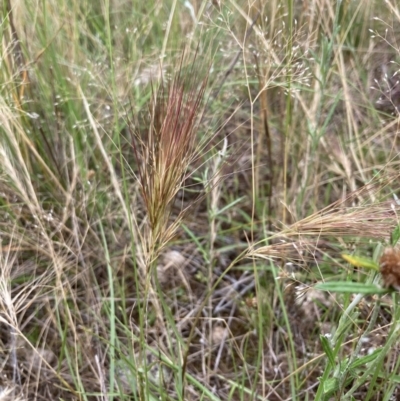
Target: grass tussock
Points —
{"points": [[219, 223]]}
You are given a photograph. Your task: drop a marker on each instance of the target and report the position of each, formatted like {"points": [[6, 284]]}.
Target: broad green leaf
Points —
{"points": [[350, 287], [360, 261], [331, 385]]}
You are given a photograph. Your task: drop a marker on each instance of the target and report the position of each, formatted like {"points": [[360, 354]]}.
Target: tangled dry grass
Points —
{"points": [[165, 222]]}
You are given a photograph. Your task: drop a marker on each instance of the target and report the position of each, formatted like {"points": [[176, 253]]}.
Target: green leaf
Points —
{"points": [[331, 385], [395, 235], [350, 287], [365, 359], [360, 261], [327, 349]]}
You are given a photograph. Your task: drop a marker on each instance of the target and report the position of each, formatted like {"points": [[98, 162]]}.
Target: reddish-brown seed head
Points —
{"points": [[390, 267]]}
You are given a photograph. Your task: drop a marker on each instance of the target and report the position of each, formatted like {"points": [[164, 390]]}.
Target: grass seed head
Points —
{"points": [[390, 267], [170, 145]]}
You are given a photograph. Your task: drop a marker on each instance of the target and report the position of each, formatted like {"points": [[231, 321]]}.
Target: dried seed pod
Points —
{"points": [[390, 267]]}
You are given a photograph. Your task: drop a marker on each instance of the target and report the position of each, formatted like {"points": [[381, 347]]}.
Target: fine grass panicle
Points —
{"points": [[218, 223]]}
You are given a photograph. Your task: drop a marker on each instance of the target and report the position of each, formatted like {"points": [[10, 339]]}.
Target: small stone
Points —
{"points": [[218, 335]]}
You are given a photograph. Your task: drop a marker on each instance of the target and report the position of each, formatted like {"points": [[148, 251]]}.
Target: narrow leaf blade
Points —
{"points": [[359, 261], [350, 287], [327, 349]]}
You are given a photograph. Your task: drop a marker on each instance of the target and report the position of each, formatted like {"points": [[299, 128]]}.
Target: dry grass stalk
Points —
{"points": [[164, 155], [375, 221]]}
